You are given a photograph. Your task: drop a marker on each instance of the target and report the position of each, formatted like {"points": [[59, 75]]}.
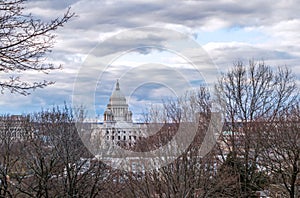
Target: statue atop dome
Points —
{"points": [[117, 85]]}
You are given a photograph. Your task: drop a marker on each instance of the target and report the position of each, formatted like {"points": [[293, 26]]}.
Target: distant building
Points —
{"points": [[15, 127], [117, 127]]}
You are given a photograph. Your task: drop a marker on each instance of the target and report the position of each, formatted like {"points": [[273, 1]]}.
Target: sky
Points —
{"points": [[157, 49]]}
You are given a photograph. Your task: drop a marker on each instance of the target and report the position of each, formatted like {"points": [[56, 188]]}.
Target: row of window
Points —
{"points": [[124, 137], [107, 132]]}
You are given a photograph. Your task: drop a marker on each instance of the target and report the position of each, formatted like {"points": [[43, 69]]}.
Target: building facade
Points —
{"points": [[117, 127]]}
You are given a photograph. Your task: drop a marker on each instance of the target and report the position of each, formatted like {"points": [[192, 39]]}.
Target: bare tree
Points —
{"points": [[41, 166], [281, 152], [55, 163], [12, 137], [252, 94], [190, 174], [25, 41], [76, 173]]}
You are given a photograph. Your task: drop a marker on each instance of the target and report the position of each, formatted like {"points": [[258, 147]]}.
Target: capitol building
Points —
{"points": [[117, 127]]}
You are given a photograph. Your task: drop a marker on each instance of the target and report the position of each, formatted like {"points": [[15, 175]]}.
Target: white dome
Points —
{"points": [[117, 98], [117, 107]]}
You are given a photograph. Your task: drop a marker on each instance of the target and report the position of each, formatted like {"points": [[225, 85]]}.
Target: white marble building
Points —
{"points": [[117, 127]]}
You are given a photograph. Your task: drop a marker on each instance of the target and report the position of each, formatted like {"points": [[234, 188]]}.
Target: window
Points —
{"points": [[119, 137], [112, 137], [107, 137], [124, 138]]}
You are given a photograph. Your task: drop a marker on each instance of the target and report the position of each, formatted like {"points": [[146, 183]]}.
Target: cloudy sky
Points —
{"points": [[156, 48]]}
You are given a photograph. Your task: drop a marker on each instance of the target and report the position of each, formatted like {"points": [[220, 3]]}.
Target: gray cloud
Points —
{"points": [[98, 20], [112, 15]]}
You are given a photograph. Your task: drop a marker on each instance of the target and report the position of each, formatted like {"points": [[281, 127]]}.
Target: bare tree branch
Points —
{"points": [[24, 43]]}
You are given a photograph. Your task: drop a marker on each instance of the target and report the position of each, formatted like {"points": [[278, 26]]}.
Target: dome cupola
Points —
{"points": [[117, 98]]}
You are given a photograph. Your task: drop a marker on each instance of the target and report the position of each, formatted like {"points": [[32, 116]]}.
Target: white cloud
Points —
{"points": [[278, 24]]}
